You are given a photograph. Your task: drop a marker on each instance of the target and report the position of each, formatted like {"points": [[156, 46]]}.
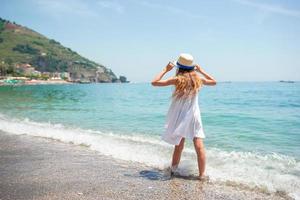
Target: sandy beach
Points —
{"points": [[38, 82], [39, 168]]}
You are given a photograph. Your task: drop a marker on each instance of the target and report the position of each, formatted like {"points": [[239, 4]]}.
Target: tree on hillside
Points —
{"points": [[2, 70], [25, 49]]}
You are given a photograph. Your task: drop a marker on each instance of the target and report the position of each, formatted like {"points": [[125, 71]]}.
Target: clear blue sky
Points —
{"points": [[238, 40]]}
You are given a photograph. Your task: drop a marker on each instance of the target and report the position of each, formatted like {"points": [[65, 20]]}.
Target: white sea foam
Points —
{"points": [[272, 171]]}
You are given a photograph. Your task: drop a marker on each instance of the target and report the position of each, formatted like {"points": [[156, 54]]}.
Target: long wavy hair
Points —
{"points": [[187, 84]]}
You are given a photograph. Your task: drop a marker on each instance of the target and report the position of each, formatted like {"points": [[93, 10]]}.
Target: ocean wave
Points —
{"points": [[275, 172]]}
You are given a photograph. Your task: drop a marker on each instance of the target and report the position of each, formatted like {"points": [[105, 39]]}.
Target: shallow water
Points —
{"points": [[252, 128]]}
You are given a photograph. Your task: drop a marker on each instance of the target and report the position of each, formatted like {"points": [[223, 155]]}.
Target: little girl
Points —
{"points": [[184, 118]]}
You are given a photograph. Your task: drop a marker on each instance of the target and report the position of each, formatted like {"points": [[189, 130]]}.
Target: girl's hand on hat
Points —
{"points": [[208, 80], [198, 68], [169, 67]]}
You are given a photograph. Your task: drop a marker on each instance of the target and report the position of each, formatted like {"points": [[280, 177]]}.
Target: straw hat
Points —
{"points": [[185, 61]]}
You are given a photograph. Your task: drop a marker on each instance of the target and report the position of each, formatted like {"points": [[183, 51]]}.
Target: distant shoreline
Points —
{"points": [[43, 82], [48, 82], [38, 82], [63, 82]]}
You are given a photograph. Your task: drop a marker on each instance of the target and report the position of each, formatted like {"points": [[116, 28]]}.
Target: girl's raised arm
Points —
{"points": [[170, 81], [208, 80]]}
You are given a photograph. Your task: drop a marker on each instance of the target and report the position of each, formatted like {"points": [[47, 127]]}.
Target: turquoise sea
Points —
{"points": [[252, 128]]}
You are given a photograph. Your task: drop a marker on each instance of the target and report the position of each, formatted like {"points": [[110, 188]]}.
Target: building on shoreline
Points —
{"points": [[74, 74], [27, 70], [24, 73]]}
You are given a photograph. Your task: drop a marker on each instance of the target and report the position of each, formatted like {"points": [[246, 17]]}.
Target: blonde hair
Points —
{"points": [[187, 83]]}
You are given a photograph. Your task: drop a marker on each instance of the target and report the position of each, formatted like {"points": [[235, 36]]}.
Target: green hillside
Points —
{"points": [[19, 45]]}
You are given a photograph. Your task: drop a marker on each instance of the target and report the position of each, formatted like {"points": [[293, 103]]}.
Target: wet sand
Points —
{"points": [[39, 168]]}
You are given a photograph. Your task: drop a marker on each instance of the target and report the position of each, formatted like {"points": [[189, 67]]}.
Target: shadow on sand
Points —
{"points": [[161, 175]]}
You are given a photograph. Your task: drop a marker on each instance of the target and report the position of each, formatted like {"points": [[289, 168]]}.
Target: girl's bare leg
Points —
{"points": [[199, 147], [177, 153]]}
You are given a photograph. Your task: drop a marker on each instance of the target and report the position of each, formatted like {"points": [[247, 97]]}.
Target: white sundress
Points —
{"points": [[183, 120]]}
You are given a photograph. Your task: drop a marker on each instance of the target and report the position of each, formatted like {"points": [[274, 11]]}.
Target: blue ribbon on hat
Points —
{"points": [[184, 66]]}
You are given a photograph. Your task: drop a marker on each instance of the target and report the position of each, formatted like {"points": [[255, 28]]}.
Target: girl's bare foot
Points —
{"points": [[203, 178], [173, 169]]}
